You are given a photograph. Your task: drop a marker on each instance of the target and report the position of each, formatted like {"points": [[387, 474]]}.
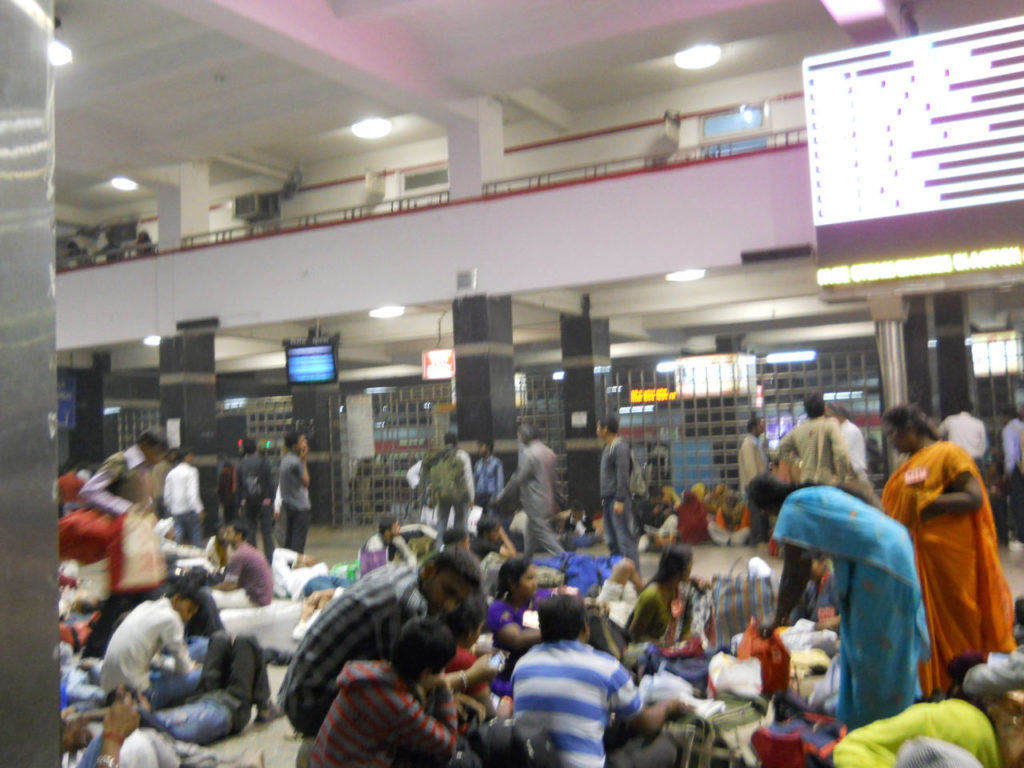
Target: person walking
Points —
{"points": [[534, 482], [815, 450], [753, 461], [616, 499], [254, 494], [293, 480], [1013, 427]]}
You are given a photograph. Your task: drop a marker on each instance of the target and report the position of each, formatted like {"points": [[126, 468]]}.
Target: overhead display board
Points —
{"points": [[916, 146]]}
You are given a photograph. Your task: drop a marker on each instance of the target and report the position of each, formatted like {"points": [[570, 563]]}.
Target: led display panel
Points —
{"points": [[917, 145], [313, 364]]}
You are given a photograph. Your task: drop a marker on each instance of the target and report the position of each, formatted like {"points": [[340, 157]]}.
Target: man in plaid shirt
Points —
{"points": [[364, 622]]}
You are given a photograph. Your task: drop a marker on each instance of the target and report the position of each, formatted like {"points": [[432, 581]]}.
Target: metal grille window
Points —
{"points": [[997, 366], [123, 423]]}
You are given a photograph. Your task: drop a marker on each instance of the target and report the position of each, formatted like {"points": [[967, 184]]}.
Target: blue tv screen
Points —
{"points": [[312, 364]]}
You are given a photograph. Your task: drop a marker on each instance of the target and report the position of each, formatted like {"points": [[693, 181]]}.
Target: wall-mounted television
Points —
{"points": [[311, 363]]}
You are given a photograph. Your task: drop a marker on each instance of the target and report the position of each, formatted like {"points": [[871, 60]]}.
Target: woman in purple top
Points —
{"points": [[517, 585]]}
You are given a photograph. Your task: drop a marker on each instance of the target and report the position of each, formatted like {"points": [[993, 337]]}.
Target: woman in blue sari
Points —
{"points": [[882, 630]]}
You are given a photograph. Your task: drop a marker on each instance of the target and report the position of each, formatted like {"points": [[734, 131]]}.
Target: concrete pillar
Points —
{"points": [[188, 393], [586, 346], [485, 399], [889, 313], [184, 208], [476, 149], [29, 707]]}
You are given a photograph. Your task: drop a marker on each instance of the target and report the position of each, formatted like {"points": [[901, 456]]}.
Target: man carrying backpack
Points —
{"points": [[254, 494], [616, 498], [450, 482]]}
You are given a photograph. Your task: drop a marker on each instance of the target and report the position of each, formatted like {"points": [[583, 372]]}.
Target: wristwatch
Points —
{"points": [[106, 761]]}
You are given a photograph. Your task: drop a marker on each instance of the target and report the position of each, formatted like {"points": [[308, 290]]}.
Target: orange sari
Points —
{"points": [[967, 601]]}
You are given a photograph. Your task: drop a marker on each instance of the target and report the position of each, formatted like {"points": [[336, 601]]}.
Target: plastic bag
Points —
{"points": [[772, 654], [663, 686], [729, 675]]}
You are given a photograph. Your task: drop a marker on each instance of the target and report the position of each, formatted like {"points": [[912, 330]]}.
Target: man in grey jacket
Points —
{"points": [[616, 499], [534, 481]]}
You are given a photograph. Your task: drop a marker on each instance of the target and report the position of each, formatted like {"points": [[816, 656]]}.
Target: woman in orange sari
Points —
{"points": [[939, 496]]}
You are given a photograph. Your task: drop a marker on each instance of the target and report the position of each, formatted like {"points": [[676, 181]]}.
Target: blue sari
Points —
{"points": [[882, 631]]}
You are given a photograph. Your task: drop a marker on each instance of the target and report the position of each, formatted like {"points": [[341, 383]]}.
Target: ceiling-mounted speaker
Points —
{"points": [[465, 280]]}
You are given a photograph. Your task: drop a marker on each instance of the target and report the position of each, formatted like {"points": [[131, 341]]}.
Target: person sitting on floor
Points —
{"points": [[491, 537], [577, 528], [363, 622], [467, 675], [517, 586], [389, 538], [232, 681], [728, 518], [820, 602], [248, 582], [571, 690], [455, 537], [388, 709], [152, 627], [660, 606]]}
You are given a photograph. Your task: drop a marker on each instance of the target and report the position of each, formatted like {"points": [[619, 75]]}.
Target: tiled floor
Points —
{"points": [[338, 545]]}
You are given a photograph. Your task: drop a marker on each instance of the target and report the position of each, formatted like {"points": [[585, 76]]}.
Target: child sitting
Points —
{"points": [[468, 676], [385, 706], [820, 602]]}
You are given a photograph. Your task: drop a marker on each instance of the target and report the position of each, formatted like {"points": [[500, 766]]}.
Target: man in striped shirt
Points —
{"points": [[386, 708], [363, 623], [570, 689]]}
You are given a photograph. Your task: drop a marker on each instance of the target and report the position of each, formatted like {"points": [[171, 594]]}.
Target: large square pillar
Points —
{"points": [[476, 148], [188, 393], [485, 400], [183, 208], [586, 356]]}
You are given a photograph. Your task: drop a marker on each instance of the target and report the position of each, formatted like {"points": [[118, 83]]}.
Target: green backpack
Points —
{"points": [[446, 478]]}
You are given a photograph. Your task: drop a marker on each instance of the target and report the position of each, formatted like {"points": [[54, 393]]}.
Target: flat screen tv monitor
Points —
{"points": [[312, 364]]}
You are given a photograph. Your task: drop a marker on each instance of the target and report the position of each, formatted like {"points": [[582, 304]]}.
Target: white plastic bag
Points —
{"points": [[727, 674], [663, 686]]}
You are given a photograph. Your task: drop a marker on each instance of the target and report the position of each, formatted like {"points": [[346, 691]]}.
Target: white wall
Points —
{"points": [[644, 224]]}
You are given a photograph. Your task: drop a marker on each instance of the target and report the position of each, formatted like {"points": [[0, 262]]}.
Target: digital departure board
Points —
{"points": [[917, 136]]}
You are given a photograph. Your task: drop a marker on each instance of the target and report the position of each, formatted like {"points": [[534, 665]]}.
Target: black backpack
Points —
{"points": [[251, 481], [506, 743]]}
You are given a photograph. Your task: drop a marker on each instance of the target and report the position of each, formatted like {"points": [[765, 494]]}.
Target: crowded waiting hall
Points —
{"points": [[474, 385]]}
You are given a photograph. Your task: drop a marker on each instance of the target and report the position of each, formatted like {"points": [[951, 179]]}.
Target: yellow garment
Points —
{"points": [[967, 601], [955, 721], [699, 491]]}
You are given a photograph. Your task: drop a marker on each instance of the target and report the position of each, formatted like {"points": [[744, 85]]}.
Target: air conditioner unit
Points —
{"points": [[258, 207]]}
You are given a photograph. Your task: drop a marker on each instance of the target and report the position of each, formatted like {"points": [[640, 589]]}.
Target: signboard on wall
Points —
{"points": [[715, 375], [66, 391], [438, 364], [359, 426]]}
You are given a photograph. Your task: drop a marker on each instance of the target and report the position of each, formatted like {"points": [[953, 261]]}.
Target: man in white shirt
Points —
{"points": [[154, 626], [292, 571], [855, 445], [967, 431], [181, 497]]}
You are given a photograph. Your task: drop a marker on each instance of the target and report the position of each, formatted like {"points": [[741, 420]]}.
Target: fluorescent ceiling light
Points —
{"points": [[382, 313], [372, 128], [123, 183], [152, 341], [686, 275], [58, 53], [558, 375], [698, 57], [802, 356], [666, 366]]}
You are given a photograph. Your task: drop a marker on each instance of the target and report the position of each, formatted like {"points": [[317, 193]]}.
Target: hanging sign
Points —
{"points": [[438, 364]]}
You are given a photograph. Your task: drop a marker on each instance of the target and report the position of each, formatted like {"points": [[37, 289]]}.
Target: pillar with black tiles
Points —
{"points": [[954, 362], [586, 353], [188, 392], [311, 417], [85, 439], [917, 331], [485, 399]]}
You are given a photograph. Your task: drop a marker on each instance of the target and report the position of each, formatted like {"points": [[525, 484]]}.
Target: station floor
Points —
{"points": [[333, 545]]}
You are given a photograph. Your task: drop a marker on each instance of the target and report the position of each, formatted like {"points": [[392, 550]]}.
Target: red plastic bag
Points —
{"points": [[771, 653], [87, 535], [137, 563]]}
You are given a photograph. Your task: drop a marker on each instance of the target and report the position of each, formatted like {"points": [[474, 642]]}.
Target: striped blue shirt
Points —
{"points": [[570, 689]]}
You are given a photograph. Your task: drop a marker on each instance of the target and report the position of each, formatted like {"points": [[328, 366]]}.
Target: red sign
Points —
{"points": [[438, 364]]}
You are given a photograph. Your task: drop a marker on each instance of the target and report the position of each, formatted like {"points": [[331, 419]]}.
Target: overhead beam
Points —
{"points": [[542, 107], [254, 166], [870, 21]]}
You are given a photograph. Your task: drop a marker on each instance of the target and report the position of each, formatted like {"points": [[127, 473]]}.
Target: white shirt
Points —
{"points": [[467, 470], [855, 446], [967, 432], [181, 490], [152, 626], [289, 581]]}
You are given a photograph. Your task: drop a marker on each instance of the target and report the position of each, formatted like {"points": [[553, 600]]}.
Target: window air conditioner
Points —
{"points": [[258, 207]]}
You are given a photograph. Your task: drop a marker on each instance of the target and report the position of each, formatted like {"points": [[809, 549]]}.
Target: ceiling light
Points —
{"points": [[382, 313], [698, 57], [152, 341], [372, 128], [686, 275], [558, 375], [123, 183], [802, 356], [58, 53], [666, 366]]}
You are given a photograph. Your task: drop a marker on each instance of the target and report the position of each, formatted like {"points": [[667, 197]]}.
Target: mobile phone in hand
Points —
{"points": [[497, 660]]}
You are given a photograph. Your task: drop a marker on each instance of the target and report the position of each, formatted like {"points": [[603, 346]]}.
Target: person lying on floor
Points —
{"points": [[232, 682], [363, 622], [152, 627], [467, 675], [387, 710], [293, 571], [248, 581], [820, 601], [571, 690]]}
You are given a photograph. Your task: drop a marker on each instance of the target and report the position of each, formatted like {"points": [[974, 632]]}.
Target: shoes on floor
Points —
{"points": [[269, 712], [1017, 546]]}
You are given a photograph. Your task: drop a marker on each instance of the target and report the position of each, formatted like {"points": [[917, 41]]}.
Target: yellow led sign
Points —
{"points": [[652, 395], [922, 266]]}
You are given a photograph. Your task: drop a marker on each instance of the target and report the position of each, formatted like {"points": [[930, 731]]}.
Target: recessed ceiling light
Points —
{"points": [[686, 275], [698, 57], [123, 183], [152, 341], [58, 53], [386, 312], [799, 356], [372, 128], [666, 366]]}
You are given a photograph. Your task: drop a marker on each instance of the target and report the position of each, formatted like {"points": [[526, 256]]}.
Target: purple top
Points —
{"points": [[500, 614], [248, 568]]}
